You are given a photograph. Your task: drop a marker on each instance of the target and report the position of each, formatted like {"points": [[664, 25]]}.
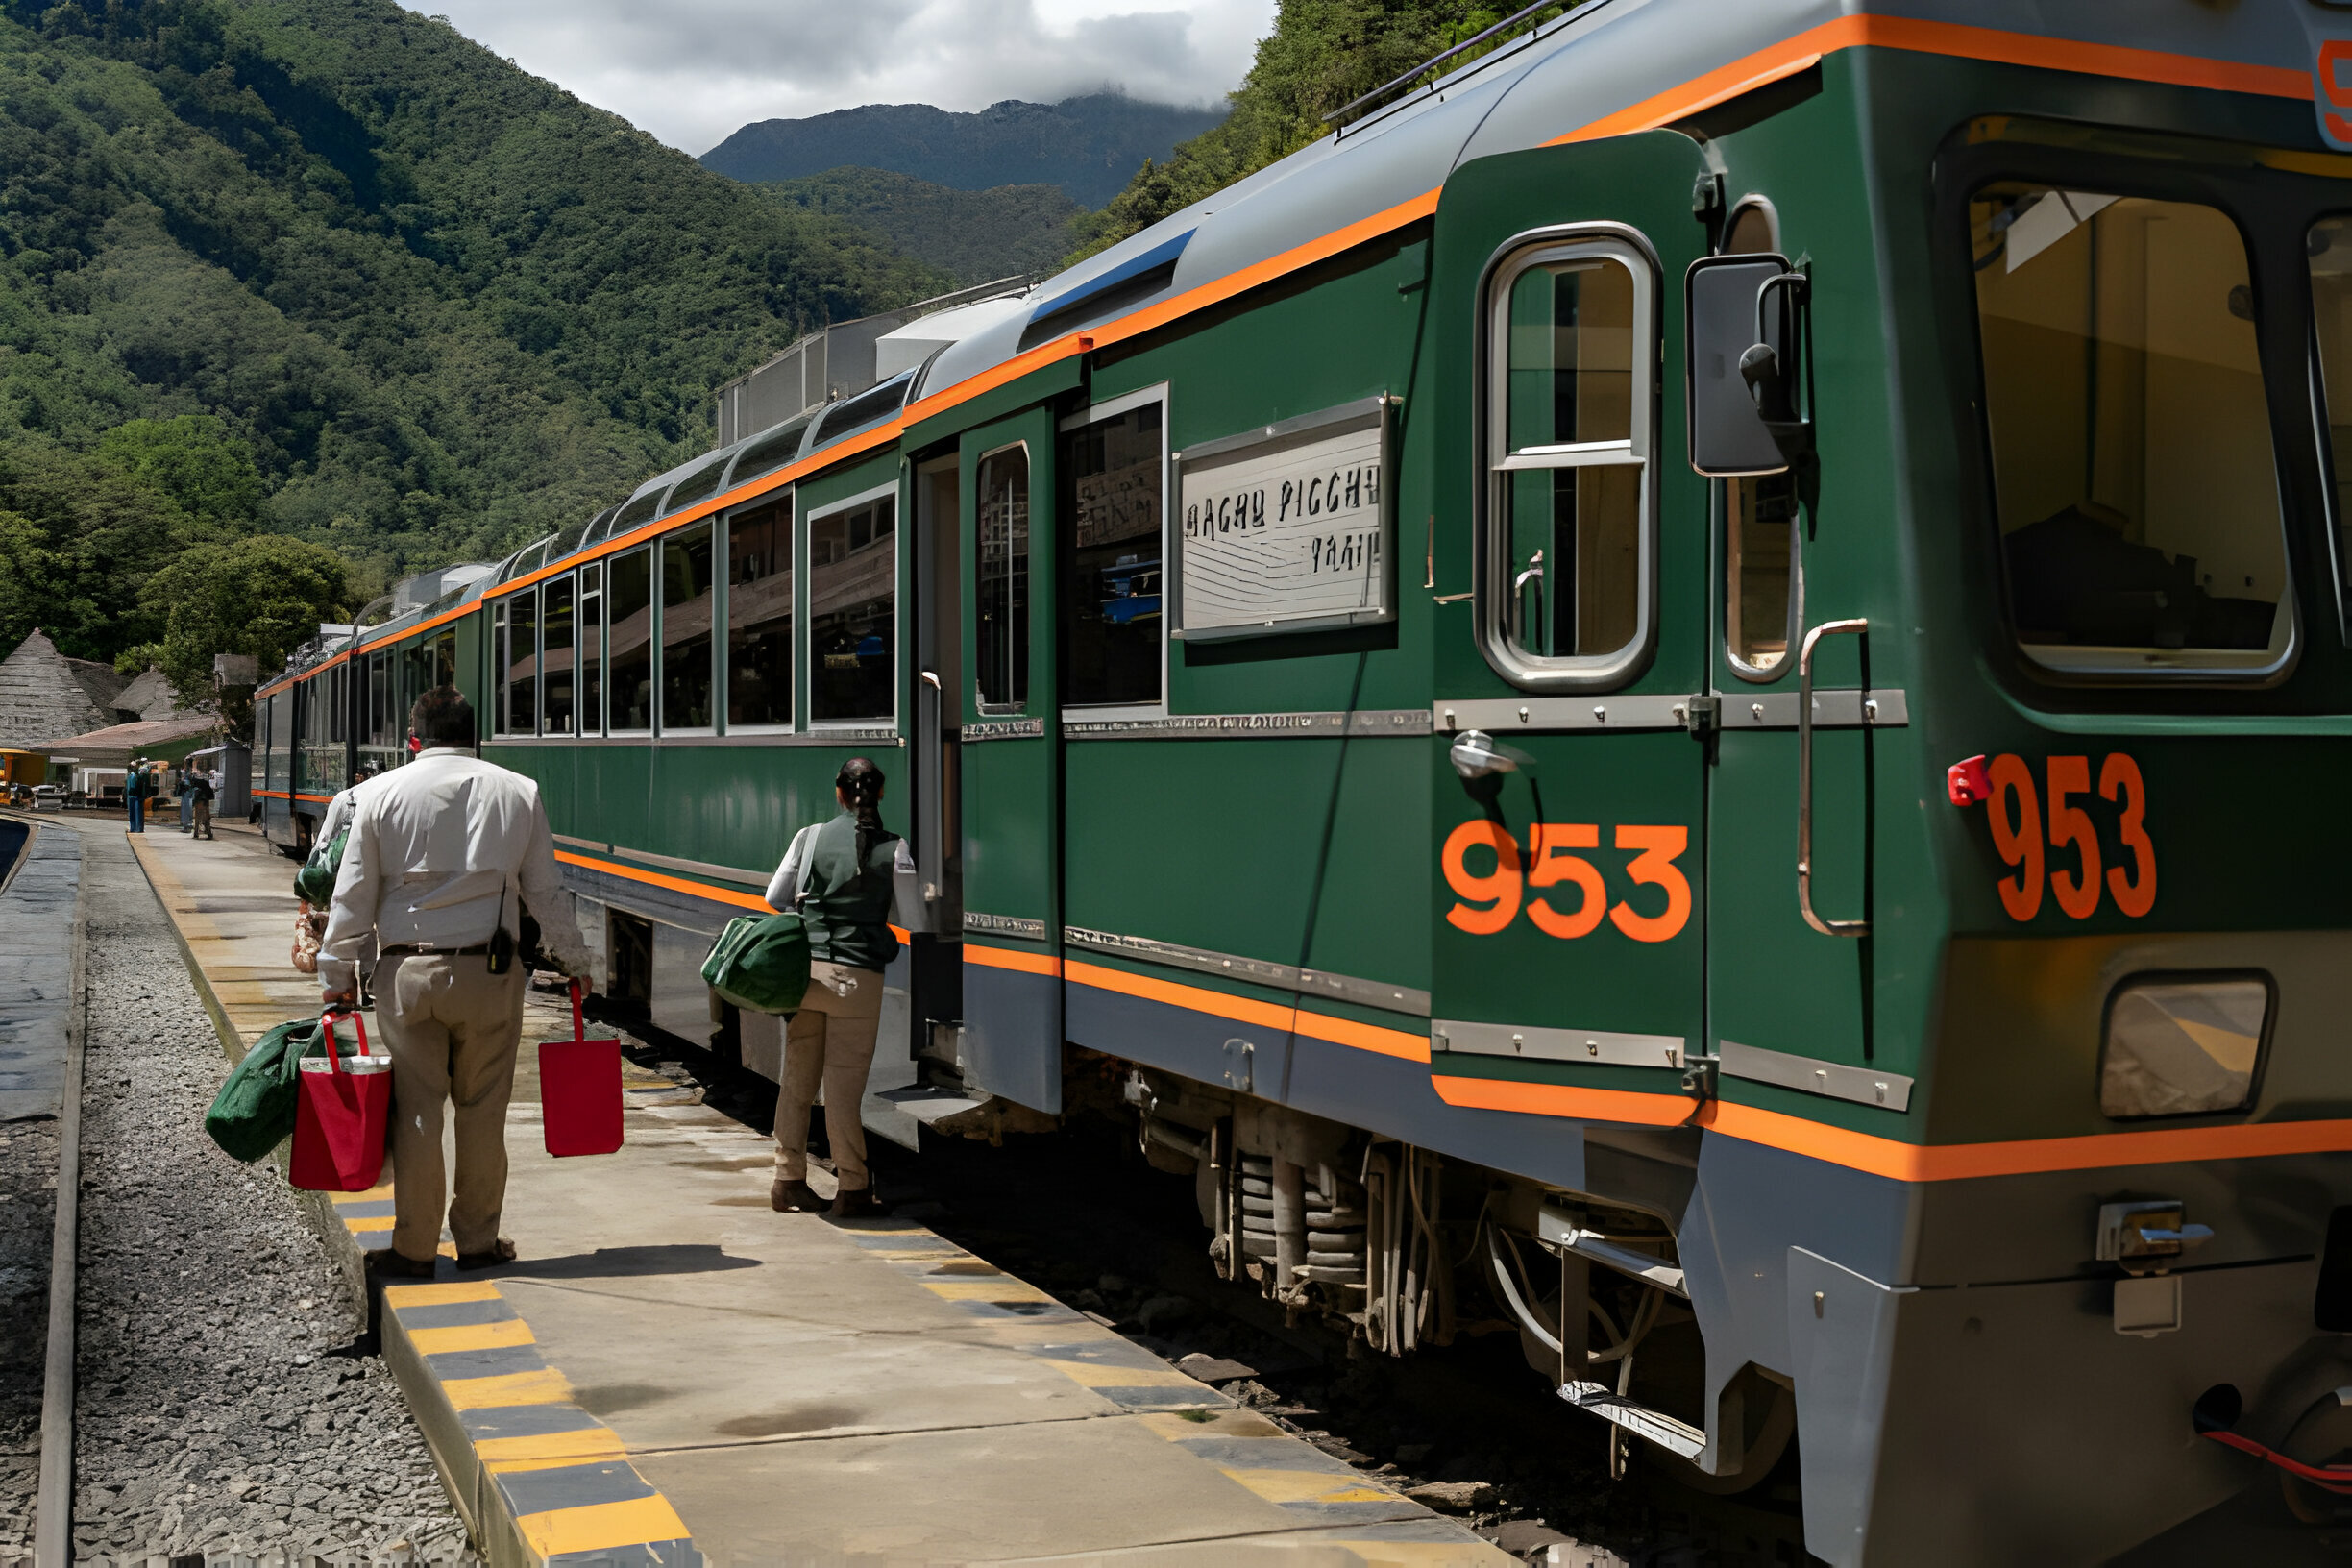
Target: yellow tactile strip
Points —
{"points": [[544, 1468]]}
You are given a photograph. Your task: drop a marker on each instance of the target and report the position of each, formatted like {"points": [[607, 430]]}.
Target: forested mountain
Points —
{"points": [[434, 304], [976, 235], [1322, 54], [1087, 146]]}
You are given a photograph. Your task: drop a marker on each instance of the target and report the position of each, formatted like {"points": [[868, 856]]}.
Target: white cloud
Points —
{"points": [[693, 72]]}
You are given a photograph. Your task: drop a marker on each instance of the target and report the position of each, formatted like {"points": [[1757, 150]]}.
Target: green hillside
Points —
{"points": [[1321, 54], [440, 304], [974, 235]]}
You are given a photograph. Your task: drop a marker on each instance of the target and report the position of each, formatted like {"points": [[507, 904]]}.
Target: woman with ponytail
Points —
{"points": [[841, 882]]}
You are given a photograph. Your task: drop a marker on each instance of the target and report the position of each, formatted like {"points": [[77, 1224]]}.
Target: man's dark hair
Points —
{"points": [[442, 717]]}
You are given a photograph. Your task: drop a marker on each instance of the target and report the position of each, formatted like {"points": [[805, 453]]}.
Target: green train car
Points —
{"points": [[1697, 661]]}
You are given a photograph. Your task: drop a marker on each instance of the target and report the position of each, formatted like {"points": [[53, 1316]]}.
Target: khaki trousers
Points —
{"points": [[452, 1027], [830, 1040], [204, 818]]}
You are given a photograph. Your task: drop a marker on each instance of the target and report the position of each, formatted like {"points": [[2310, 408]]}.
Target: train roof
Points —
{"points": [[1608, 67]]}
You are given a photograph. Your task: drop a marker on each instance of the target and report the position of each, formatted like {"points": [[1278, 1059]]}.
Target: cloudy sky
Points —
{"points": [[691, 71]]}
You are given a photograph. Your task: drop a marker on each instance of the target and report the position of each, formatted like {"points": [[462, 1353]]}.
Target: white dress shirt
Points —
{"points": [[434, 846]]}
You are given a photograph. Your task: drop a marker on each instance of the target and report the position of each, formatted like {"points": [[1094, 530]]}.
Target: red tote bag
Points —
{"points": [[580, 1091], [339, 1117]]}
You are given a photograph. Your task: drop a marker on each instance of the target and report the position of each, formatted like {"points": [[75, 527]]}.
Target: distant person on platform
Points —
{"points": [[842, 885], [135, 794], [445, 855], [200, 789]]}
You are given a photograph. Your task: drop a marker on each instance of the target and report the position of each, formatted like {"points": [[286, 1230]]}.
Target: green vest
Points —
{"points": [[848, 906]]}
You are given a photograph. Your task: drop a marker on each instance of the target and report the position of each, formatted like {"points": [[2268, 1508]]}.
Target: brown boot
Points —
{"points": [[794, 1198], [855, 1203]]}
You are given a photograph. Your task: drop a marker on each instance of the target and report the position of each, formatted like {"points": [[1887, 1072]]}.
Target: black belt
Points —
{"points": [[418, 948]]}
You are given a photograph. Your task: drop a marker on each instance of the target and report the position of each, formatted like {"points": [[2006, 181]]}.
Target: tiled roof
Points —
{"points": [[42, 695]]}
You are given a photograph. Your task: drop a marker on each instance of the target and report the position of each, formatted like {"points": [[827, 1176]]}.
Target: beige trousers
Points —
{"points": [[830, 1040], [204, 818], [452, 1027]]}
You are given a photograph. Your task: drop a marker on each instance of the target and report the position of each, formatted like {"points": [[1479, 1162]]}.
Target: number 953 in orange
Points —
{"points": [[1569, 899]]}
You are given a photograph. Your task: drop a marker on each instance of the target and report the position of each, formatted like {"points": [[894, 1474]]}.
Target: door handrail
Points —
{"points": [[1859, 626]]}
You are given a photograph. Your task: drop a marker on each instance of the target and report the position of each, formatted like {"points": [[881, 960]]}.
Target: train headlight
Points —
{"points": [[2178, 1046]]}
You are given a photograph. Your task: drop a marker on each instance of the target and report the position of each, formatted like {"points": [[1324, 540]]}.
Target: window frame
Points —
{"points": [[661, 543], [588, 585], [1757, 674], [804, 591], [653, 640], [721, 640], [1020, 703], [541, 589], [2127, 165], [1162, 394], [1490, 567], [499, 664]]}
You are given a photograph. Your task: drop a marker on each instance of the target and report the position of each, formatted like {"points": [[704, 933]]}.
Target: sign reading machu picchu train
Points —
{"points": [[1286, 527]]}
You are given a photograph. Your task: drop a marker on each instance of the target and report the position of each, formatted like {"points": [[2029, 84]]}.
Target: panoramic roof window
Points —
{"points": [[2132, 467]]}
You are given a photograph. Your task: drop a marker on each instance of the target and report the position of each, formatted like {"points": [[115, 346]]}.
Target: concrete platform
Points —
{"points": [[40, 880], [673, 1374]]}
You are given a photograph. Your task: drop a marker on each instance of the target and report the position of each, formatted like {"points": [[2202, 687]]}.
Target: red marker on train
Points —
{"points": [[1968, 783]]}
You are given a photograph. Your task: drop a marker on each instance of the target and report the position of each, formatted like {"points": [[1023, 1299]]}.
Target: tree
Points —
{"points": [[265, 596], [195, 461]]}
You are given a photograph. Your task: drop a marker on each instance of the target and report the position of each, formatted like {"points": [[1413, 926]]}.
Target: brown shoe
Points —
{"points": [[855, 1203], [387, 1264], [501, 1251], [794, 1198]]}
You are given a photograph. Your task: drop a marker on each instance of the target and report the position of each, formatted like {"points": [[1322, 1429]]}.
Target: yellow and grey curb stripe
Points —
{"points": [[1244, 1446], [541, 1480]]}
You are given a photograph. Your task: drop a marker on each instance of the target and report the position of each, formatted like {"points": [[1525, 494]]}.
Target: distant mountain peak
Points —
{"points": [[1088, 145]]}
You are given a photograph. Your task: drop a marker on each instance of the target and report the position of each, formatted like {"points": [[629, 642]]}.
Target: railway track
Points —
{"points": [[203, 1388]]}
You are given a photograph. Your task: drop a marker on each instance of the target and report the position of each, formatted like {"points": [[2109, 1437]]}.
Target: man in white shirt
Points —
{"points": [[443, 855]]}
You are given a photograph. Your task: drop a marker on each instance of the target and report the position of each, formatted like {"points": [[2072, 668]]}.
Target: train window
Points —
{"points": [[1761, 561], [1113, 490], [592, 651], [2329, 249], [380, 700], [555, 656], [759, 692], [700, 485], [686, 630], [1563, 596], [497, 669], [445, 660], [1003, 591], [853, 603], [629, 644], [523, 663], [2133, 475]]}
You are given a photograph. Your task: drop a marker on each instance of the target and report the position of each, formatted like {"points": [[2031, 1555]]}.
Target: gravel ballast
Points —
{"points": [[226, 1401], [28, 1194]]}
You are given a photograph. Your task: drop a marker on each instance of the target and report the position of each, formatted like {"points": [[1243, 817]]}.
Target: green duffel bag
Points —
{"points": [[314, 884], [254, 1112], [760, 963]]}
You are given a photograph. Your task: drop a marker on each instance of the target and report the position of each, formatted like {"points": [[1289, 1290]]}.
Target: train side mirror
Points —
{"points": [[1743, 376]]}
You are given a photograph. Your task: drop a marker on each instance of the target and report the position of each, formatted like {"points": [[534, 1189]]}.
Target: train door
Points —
{"points": [[1789, 954], [1009, 763], [1569, 791], [930, 870]]}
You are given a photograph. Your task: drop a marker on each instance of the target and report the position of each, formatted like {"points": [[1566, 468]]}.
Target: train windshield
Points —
{"points": [[2133, 471]]}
